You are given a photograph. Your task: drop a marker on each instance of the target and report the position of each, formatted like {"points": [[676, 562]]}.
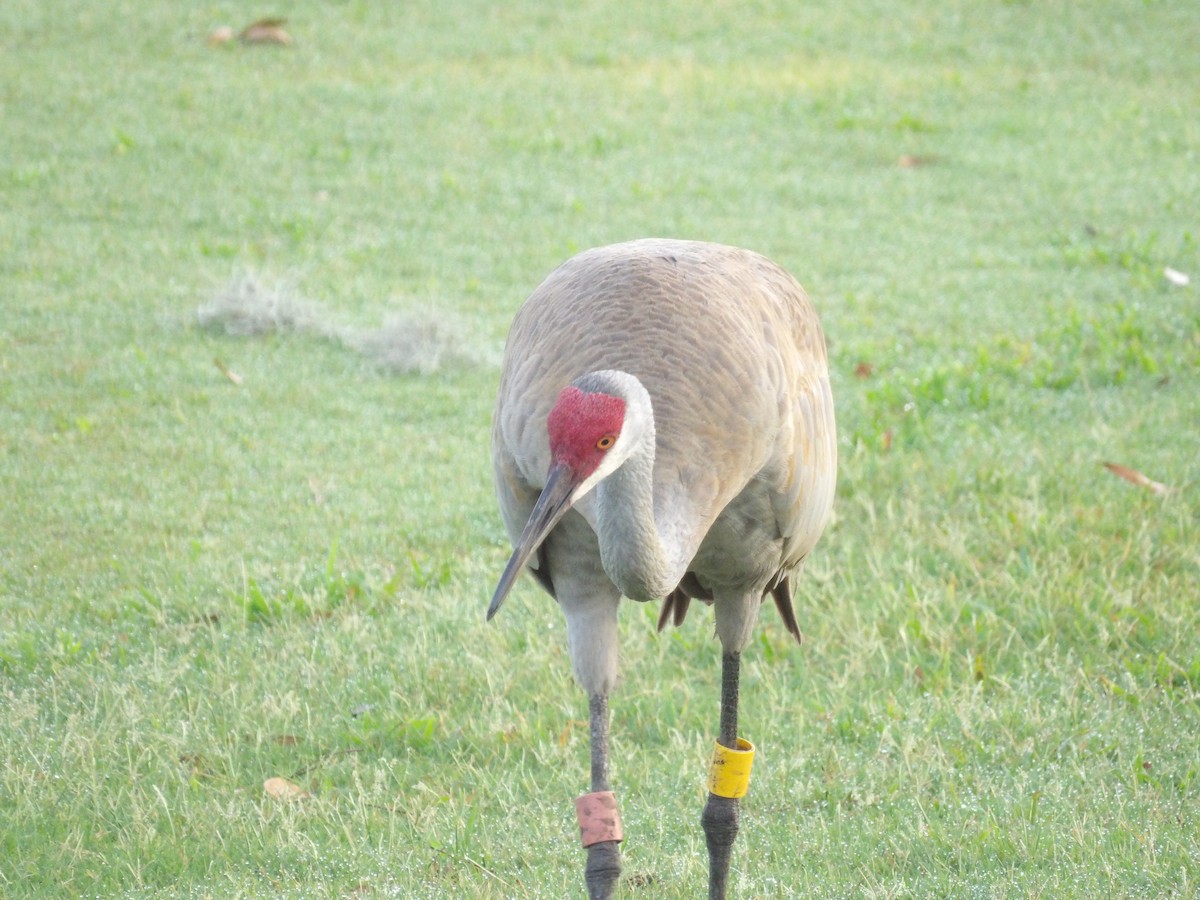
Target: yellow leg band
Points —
{"points": [[729, 774]]}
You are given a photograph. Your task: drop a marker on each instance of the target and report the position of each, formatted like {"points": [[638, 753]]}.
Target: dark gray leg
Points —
{"points": [[720, 816], [603, 859]]}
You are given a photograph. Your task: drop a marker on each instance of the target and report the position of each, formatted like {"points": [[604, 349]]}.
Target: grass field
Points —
{"points": [[230, 558]]}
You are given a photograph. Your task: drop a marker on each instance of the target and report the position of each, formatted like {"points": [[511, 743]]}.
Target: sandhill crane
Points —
{"points": [[664, 431]]}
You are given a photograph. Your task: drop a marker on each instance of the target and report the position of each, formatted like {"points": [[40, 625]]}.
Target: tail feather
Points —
{"points": [[674, 609], [782, 593]]}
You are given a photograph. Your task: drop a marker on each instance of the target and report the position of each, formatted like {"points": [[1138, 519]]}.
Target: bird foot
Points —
{"points": [[720, 822], [728, 780], [603, 870], [601, 832]]}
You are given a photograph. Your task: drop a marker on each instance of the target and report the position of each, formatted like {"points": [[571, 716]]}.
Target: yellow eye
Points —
{"points": [[605, 442]]}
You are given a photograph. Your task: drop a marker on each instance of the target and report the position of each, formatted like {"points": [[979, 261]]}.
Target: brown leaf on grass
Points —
{"points": [[266, 31], [219, 36], [233, 376], [1133, 476], [864, 370], [282, 789], [909, 161], [564, 736], [195, 761]]}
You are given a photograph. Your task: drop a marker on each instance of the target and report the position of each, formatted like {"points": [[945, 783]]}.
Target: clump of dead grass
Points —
{"points": [[249, 305], [409, 341]]}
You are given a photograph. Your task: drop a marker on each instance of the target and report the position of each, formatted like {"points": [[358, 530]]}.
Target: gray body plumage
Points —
{"points": [[736, 485]]}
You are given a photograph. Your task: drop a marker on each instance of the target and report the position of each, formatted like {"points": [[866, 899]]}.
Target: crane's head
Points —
{"points": [[592, 430], [583, 428]]}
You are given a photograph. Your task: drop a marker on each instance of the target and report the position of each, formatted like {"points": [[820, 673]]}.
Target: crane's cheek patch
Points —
{"points": [[582, 461], [577, 421]]}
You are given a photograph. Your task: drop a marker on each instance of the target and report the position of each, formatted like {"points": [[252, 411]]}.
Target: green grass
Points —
{"points": [[205, 584]]}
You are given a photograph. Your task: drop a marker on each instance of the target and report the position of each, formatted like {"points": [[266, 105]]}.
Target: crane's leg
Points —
{"points": [[598, 819], [720, 816], [589, 602]]}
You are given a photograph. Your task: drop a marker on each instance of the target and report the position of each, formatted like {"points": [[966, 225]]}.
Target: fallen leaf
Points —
{"points": [[195, 760], [1133, 476], [266, 31], [908, 161], [233, 376], [219, 36], [864, 370], [564, 736], [282, 789], [1177, 278]]}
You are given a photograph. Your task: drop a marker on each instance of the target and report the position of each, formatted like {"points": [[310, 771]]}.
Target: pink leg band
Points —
{"points": [[598, 818]]}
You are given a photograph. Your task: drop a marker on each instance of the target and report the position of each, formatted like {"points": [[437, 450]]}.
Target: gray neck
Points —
{"points": [[631, 547]]}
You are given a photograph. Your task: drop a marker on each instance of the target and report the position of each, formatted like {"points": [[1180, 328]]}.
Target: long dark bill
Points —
{"points": [[551, 506]]}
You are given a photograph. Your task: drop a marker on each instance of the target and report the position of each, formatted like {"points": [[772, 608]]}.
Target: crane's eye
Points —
{"points": [[606, 442]]}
